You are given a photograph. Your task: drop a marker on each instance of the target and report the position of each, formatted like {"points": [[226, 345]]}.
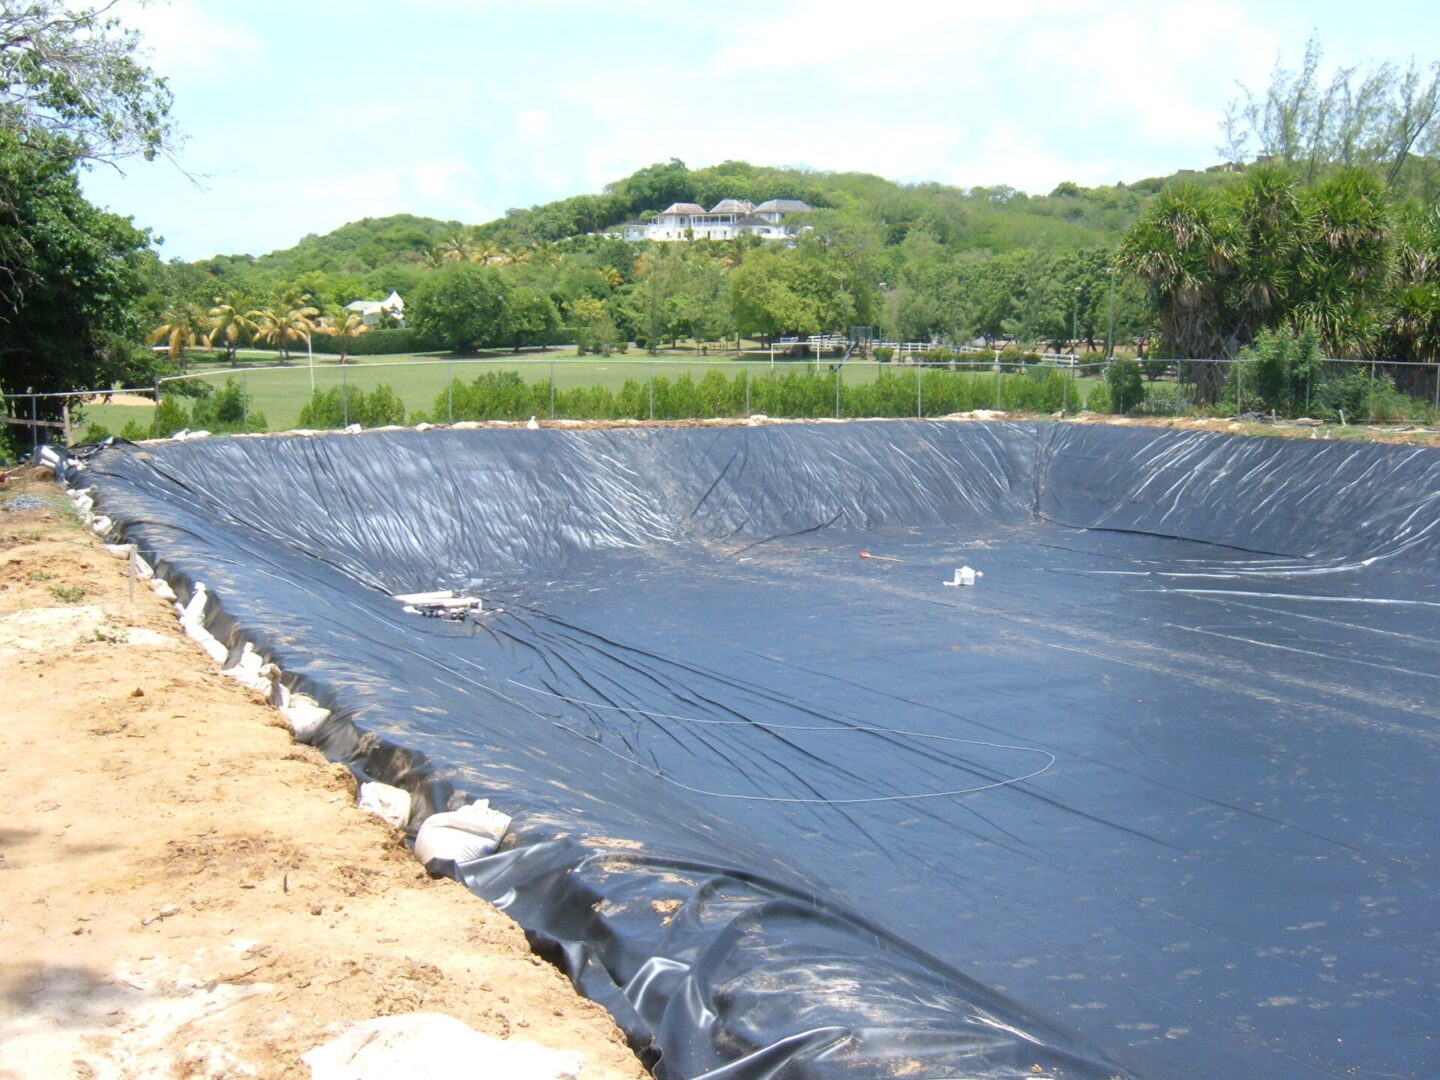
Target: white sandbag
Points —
{"points": [[192, 619], [303, 713], [471, 832], [250, 669], [426, 1044], [389, 804]]}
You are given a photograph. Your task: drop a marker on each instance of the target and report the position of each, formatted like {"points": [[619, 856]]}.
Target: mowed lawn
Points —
{"points": [[280, 391]]}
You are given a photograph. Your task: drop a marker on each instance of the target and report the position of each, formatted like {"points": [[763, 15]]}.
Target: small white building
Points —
{"points": [[726, 220], [372, 311]]}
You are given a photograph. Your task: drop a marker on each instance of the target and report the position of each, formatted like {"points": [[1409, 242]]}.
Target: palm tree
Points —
{"points": [[184, 327], [229, 323], [286, 320], [456, 245], [343, 326]]}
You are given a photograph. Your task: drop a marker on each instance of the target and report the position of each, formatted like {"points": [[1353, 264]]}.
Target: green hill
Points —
{"points": [[995, 219]]}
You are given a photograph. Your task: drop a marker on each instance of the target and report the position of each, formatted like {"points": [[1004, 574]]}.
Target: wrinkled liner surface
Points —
{"points": [[1155, 797]]}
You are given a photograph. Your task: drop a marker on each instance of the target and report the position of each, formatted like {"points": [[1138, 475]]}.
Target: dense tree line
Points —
{"points": [[71, 277]]}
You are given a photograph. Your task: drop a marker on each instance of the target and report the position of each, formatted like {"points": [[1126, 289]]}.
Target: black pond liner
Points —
{"points": [[1157, 797]]}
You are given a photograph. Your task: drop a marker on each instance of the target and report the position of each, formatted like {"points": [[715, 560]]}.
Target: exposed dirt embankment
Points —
{"points": [[187, 891]]}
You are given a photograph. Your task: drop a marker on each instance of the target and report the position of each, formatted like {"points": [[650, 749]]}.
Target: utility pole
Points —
{"points": [[1110, 331]]}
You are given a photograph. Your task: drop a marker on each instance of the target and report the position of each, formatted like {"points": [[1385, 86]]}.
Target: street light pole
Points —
{"points": [[1110, 331], [1075, 320]]}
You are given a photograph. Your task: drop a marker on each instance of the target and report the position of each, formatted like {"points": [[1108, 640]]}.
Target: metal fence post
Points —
{"points": [[837, 391], [552, 389], [34, 420], [450, 391], [919, 391], [345, 394], [245, 399], [751, 412], [650, 383]]}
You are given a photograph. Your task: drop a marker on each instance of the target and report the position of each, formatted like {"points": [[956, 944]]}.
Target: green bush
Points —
{"points": [[1127, 389], [884, 354], [1161, 399], [1099, 399], [380, 342], [227, 411], [1358, 396], [341, 406], [170, 417], [797, 393], [494, 395], [1282, 374]]}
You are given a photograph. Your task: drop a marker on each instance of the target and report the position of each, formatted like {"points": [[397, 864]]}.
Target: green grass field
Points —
{"points": [[279, 391]]}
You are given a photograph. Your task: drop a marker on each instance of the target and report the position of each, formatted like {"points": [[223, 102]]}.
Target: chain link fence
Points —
{"points": [[327, 395]]}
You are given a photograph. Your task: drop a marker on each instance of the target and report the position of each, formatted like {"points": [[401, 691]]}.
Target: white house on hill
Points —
{"points": [[373, 311], [726, 220]]}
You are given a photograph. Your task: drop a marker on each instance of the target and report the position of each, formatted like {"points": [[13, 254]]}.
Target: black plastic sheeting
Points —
{"points": [[1157, 797]]}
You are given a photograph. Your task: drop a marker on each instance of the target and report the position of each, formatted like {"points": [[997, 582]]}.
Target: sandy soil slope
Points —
{"points": [[187, 891]]}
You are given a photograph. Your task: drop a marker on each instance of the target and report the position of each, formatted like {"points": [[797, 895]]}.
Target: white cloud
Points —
{"points": [[530, 123], [185, 41]]}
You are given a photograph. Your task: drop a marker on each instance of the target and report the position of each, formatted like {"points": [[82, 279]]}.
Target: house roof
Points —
{"points": [[732, 206], [753, 219], [684, 208], [393, 302], [782, 206]]}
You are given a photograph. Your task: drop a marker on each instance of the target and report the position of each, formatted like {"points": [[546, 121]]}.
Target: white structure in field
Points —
{"points": [[726, 220], [373, 311]]}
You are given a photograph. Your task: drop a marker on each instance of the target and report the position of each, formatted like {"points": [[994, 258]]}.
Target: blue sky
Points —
{"points": [[303, 115]]}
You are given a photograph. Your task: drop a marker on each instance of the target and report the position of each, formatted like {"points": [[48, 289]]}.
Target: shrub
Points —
{"points": [[380, 342], [170, 417], [494, 395], [1127, 390], [883, 354], [341, 406], [227, 411], [1099, 399], [1283, 372], [1358, 396], [1161, 399]]}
